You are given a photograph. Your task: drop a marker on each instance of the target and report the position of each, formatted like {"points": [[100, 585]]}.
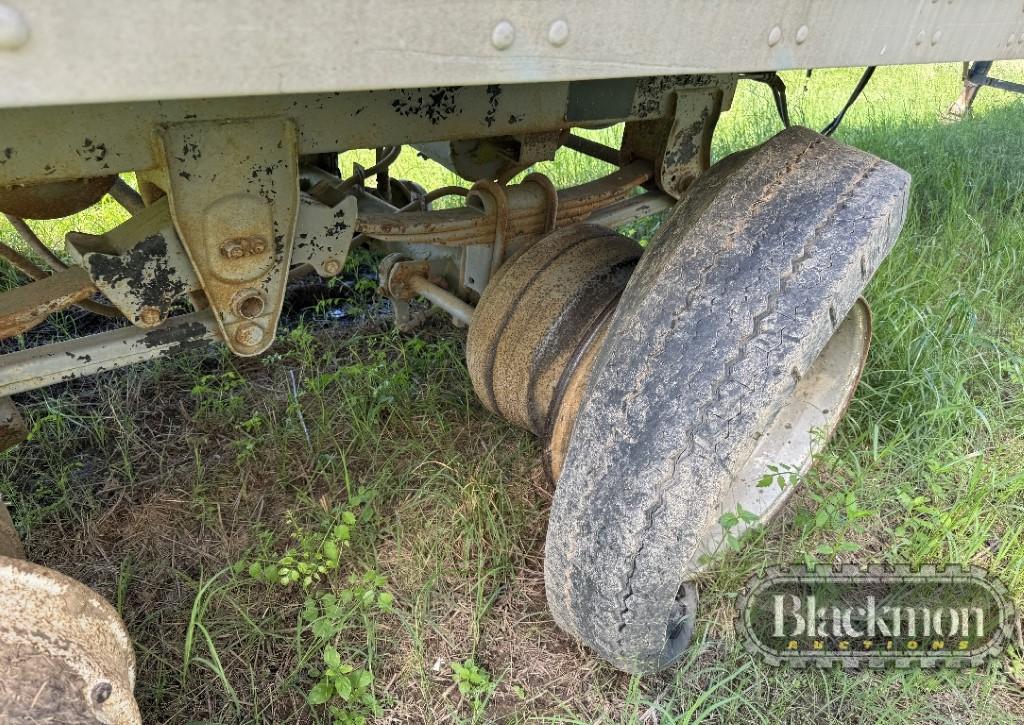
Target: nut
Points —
{"points": [[332, 266], [232, 249], [150, 316], [243, 247], [249, 334], [248, 303]]}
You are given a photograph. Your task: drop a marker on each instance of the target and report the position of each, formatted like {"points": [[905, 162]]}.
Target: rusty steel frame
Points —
{"points": [[975, 77], [12, 432], [404, 279], [605, 200], [25, 307], [54, 143], [221, 128], [37, 367], [461, 312], [226, 167], [143, 279]]}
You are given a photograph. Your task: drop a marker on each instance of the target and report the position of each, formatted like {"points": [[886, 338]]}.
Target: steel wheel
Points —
{"points": [[729, 348]]}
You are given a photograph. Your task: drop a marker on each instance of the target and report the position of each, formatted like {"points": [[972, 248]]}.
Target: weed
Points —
{"points": [[783, 475], [312, 556], [219, 394], [474, 684], [731, 520], [314, 559], [354, 687]]}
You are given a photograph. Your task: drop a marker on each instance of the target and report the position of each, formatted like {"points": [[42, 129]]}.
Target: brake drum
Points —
{"points": [[540, 317]]}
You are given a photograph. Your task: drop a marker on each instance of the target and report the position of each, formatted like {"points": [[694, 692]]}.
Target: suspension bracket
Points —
{"points": [[234, 195], [678, 140]]}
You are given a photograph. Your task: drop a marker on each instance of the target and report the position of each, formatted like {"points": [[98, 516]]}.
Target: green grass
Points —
{"points": [[160, 485]]}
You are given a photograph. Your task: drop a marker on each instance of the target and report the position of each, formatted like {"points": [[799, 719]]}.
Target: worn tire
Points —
{"points": [[733, 301]]}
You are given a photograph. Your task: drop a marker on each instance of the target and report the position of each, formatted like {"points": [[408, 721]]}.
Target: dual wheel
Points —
{"points": [[665, 384]]}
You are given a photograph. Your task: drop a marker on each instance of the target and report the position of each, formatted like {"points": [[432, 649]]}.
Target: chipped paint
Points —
{"points": [[434, 104], [48, 364], [145, 278], [84, 141]]}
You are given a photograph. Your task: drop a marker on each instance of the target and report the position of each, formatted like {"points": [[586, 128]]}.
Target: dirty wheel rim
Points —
{"points": [[795, 434]]}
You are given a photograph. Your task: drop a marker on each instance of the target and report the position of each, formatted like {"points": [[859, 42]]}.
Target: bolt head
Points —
{"points": [[150, 316], [332, 267], [503, 35], [249, 334]]}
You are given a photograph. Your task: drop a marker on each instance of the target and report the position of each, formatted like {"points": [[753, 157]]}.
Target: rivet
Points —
{"points": [[1012, 39], [150, 316], [801, 33], [503, 35], [13, 29], [558, 33], [920, 38], [936, 37], [774, 35], [249, 334], [332, 267]]}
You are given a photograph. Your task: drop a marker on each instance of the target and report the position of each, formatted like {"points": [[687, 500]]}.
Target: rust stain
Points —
{"points": [[55, 199], [22, 308]]}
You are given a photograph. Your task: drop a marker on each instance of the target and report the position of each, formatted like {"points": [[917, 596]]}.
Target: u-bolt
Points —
{"points": [[551, 194], [502, 227]]}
